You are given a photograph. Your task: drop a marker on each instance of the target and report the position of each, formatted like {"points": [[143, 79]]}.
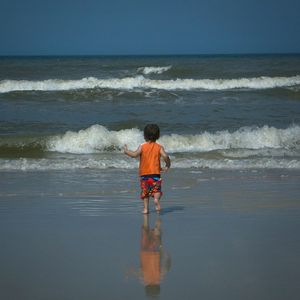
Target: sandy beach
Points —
{"points": [[220, 235]]}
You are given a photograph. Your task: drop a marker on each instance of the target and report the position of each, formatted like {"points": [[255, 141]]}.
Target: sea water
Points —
{"points": [[70, 222], [216, 112]]}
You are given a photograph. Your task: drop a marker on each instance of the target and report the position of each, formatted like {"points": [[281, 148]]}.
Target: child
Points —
{"points": [[150, 153]]}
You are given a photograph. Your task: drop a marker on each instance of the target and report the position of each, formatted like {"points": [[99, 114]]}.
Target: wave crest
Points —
{"points": [[244, 138], [260, 147], [245, 142], [140, 82], [97, 139], [153, 70]]}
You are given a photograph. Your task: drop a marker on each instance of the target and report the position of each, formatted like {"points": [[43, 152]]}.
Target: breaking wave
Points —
{"points": [[153, 70], [140, 82], [244, 142], [97, 139], [99, 148]]}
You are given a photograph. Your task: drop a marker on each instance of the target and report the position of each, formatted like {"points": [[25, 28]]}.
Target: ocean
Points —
{"points": [[215, 112], [70, 221]]}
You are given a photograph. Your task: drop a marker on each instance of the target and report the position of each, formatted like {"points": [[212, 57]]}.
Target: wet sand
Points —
{"points": [[80, 235]]}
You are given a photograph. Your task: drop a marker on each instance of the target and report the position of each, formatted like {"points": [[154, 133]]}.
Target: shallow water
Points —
{"points": [[77, 235]]}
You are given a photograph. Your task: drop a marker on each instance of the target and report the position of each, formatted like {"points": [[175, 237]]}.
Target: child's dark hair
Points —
{"points": [[151, 132]]}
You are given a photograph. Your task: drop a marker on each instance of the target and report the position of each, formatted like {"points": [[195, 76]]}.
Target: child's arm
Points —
{"points": [[133, 154], [166, 158]]}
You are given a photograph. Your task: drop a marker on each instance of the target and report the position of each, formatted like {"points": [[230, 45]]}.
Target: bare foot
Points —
{"points": [[145, 211]]}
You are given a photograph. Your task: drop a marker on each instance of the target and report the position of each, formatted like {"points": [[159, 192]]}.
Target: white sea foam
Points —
{"points": [[247, 148], [94, 139], [140, 82], [97, 139], [244, 138], [233, 164], [123, 163], [265, 152], [153, 70], [24, 164]]}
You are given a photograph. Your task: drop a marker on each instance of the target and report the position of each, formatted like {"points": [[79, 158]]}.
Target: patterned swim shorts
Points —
{"points": [[150, 185]]}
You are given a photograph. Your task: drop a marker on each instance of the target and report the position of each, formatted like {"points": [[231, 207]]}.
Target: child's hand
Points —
{"points": [[164, 170], [130, 153]]}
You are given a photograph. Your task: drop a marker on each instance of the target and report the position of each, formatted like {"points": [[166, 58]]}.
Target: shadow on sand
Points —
{"points": [[171, 209]]}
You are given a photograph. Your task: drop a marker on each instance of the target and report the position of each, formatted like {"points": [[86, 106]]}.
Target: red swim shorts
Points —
{"points": [[150, 186]]}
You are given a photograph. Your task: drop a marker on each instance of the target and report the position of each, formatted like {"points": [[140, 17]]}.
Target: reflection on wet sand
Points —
{"points": [[154, 261]]}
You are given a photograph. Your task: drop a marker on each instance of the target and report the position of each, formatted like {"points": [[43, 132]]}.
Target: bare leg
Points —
{"points": [[156, 201], [146, 205]]}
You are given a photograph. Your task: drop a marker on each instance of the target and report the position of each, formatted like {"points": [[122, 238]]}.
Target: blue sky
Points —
{"points": [[90, 27]]}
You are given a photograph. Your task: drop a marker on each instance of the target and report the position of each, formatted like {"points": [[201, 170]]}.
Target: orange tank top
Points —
{"points": [[150, 158]]}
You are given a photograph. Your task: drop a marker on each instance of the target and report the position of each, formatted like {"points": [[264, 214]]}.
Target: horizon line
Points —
{"points": [[152, 55]]}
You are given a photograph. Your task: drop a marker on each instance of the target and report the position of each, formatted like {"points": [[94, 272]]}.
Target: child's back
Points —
{"points": [[150, 158]]}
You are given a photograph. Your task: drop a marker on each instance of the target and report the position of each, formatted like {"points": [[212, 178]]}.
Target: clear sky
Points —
{"points": [[84, 27]]}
